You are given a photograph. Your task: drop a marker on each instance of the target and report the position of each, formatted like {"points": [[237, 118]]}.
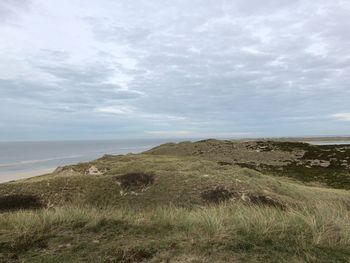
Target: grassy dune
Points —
{"points": [[223, 233], [167, 208]]}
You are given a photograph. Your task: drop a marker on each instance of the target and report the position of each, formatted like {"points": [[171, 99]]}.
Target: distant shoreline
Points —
{"points": [[20, 160], [25, 175]]}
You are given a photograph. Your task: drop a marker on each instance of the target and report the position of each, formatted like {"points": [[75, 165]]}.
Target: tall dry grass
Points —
{"points": [[323, 224]]}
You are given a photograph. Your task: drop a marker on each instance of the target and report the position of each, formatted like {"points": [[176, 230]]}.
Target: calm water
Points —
{"points": [[19, 159]]}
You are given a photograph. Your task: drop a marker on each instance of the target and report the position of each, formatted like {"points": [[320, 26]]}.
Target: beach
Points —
{"points": [[24, 175]]}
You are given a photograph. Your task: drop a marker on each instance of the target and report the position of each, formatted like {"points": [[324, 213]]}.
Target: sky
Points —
{"points": [[84, 69]]}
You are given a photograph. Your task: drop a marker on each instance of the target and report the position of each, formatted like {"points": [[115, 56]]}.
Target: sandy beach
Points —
{"points": [[23, 175]]}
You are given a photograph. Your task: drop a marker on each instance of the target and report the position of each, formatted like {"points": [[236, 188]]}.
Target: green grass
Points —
{"points": [[177, 180], [288, 159], [88, 218], [314, 233]]}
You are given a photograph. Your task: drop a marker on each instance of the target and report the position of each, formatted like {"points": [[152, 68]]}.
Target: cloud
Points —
{"points": [[198, 134], [116, 109], [127, 94], [345, 116], [169, 133], [135, 113], [12, 8], [213, 67]]}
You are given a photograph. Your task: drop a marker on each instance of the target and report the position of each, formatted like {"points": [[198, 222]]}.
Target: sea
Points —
{"points": [[25, 159]]}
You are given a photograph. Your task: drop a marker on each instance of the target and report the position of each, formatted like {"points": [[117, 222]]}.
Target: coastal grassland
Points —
{"points": [[178, 181], [326, 164], [166, 208], [229, 232]]}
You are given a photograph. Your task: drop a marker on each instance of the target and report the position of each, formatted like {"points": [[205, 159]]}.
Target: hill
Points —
{"points": [[208, 201], [327, 164]]}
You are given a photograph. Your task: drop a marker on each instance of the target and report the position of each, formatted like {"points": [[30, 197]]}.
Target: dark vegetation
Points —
{"points": [[19, 201], [221, 194], [309, 168], [135, 181], [218, 194]]}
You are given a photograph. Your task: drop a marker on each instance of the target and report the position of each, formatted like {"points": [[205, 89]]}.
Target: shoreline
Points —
{"points": [[6, 178]]}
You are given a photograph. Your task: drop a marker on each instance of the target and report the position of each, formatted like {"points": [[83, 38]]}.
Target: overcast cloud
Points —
{"points": [[77, 69]]}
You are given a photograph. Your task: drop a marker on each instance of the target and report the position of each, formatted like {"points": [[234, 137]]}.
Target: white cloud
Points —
{"points": [[133, 112], [170, 133], [317, 49], [252, 50], [162, 117], [119, 110], [202, 65], [200, 134], [345, 116]]}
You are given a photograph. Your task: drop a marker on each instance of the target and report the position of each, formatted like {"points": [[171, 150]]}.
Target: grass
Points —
{"points": [[288, 159], [166, 208], [177, 180], [313, 233]]}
